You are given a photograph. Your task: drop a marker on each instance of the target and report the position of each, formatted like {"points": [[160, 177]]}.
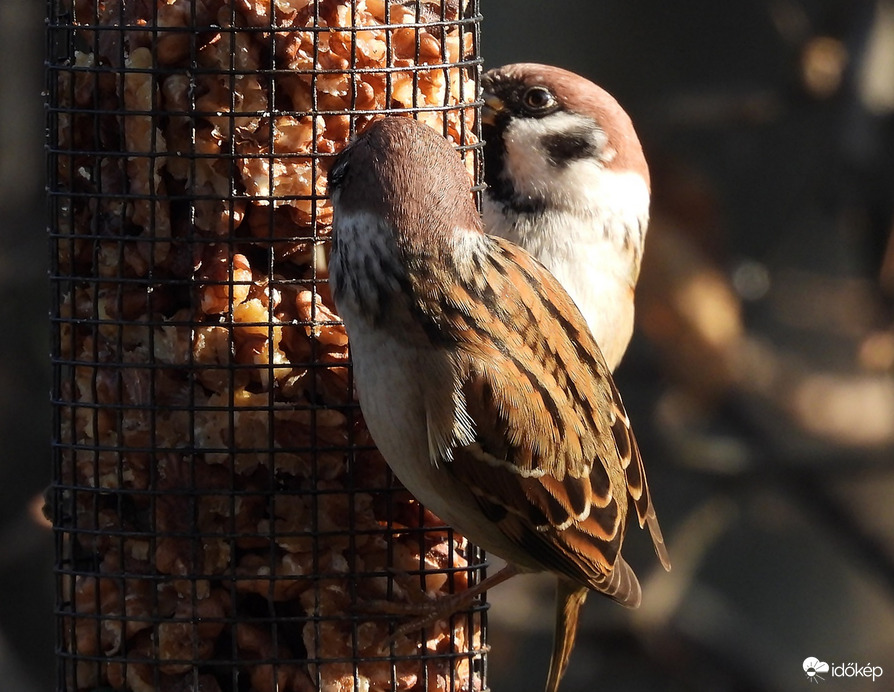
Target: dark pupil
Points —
{"points": [[537, 98]]}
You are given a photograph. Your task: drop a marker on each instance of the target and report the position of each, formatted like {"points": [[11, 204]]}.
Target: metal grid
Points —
{"points": [[222, 519]]}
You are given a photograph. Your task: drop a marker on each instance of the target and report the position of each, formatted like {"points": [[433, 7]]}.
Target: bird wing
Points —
{"points": [[554, 463], [572, 525], [635, 473]]}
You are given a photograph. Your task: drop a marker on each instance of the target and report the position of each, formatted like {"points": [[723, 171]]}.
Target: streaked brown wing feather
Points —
{"points": [[554, 521], [553, 454], [637, 485], [548, 465]]}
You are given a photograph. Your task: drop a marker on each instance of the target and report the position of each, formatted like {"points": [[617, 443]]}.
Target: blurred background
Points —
{"points": [[761, 377]]}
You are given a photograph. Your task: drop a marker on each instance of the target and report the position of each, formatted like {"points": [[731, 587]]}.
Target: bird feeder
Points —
{"points": [[223, 521]]}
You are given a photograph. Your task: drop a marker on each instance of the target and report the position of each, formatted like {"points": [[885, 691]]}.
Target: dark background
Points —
{"points": [[759, 382]]}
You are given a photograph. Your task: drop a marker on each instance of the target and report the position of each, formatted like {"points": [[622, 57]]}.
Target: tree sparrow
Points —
{"points": [[567, 180], [478, 378]]}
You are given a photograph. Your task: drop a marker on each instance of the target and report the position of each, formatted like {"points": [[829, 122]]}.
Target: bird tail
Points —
{"points": [[569, 599]]}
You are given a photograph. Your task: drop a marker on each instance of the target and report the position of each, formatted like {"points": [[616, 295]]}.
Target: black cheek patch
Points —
{"points": [[570, 145]]}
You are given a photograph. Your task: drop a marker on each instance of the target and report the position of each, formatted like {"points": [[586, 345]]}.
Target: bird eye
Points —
{"points": [[538, 99]]}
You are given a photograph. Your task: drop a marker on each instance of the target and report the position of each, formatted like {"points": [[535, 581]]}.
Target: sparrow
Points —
{"points": [[478, 378], [567, 180]]}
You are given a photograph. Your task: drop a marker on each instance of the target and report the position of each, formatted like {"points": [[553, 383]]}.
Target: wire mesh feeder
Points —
{"points": [[221, 514]]}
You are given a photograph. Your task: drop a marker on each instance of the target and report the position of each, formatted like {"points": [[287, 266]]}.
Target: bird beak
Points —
{"points": [[492, 106]]}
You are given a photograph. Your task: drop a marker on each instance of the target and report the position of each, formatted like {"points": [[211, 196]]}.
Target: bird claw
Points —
{"points": [[424, 614], [431, 610]]}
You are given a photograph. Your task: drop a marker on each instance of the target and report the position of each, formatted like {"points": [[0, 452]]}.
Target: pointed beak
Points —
{"points": [[493, 105]]}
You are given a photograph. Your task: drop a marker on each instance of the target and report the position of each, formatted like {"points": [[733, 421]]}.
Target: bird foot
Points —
{"points": [[426, 613]]}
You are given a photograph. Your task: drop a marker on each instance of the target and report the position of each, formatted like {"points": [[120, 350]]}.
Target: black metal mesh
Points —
{"points": [[222, 519]]}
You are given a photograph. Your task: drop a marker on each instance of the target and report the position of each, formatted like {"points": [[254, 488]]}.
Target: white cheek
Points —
{"points": [[524, 163], [528, 165], [582, 186], [366, 245], [358, 234]]}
